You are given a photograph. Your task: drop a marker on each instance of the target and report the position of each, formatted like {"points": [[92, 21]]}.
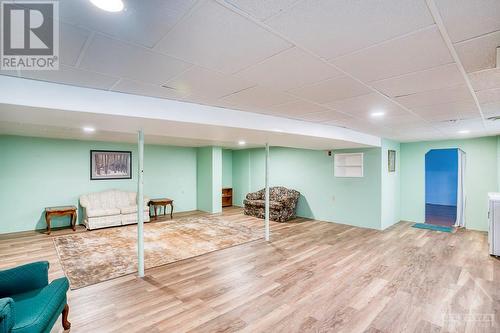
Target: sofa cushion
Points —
{"points": [[132, 209], [35, 310], [98, 212], [261, 203]]}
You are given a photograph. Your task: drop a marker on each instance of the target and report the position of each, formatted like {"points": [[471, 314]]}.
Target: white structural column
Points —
{"points": [[267, 195], [140, 205]]}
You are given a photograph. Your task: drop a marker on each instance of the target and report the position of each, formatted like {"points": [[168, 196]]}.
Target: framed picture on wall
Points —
{"points": [[391, 156], [105, 164]]}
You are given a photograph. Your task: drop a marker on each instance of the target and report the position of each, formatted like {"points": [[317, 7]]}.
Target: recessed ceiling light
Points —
{"points": [[88, 129], [464, 132], [109, 5], [242, 143], [377, 114]]}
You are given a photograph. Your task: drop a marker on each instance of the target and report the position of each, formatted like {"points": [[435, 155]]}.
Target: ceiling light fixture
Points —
{"points": [[109, 5], [377, 114], [242, 143], [464, 132], [88, 129]]}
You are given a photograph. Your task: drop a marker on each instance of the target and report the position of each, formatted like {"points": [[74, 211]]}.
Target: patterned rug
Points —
{"points": [[94, 256]]}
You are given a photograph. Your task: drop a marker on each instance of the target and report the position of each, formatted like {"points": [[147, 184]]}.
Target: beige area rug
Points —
{"points": [[99, 255]]}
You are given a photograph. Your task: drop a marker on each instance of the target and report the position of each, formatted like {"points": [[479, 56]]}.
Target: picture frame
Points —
{"points": [[391, 160], [110, 164]]}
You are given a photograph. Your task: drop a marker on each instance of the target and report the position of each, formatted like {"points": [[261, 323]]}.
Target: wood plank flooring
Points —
{"points": [[312, 277]]}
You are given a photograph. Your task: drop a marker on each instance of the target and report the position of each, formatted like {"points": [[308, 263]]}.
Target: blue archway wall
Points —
{"points": [[441, 177]]}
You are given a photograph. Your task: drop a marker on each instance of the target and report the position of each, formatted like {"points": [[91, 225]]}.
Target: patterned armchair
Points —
{"points": [[282, 203]]}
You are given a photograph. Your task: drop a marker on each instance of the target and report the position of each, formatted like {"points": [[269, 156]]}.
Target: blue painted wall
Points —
{"points": [[441, 174]]}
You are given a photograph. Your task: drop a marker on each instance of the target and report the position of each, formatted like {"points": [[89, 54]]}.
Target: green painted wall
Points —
{"points": [[323, 196], [481, 177], [358, 200], [391, 186], [209, 179], [37, 172], [227, 168]]}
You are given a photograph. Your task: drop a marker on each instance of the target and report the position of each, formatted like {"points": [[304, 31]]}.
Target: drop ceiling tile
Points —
{"points": [[488, 96], [261, 9], [120, 59], [295, 108], [487, 79], [73, 76], [71, 44], [214, 37], [448, 110], [256, 97], [334, 28], [143, 22], [473, 125], [414, 52], [203, 82], [344, 122], [441, 117], [365, 104], [440, 96], [479, 53], [289, 69], [430, 79], [482, 17], [331, 90], [397, 121], [491, 109], [144, 89], [319, 117]]}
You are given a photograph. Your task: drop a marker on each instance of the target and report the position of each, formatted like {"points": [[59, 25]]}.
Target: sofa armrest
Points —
{"points": [[289, 200], [7, 318], [254, 196], [24, 278]]}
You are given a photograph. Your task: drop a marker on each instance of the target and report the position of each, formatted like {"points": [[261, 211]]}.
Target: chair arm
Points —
{"points": [[7, 314], [289, 200], [24, 278], [254, 195]]}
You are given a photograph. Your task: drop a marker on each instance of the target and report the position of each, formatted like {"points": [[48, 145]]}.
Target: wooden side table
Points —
{"points": [[162, 202], [60, 211]]}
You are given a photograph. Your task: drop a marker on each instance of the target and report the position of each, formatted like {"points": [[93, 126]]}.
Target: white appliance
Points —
{"points": [[494, 223]]}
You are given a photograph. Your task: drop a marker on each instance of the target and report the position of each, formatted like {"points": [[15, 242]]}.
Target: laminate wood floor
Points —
{"points": [[312, 277]]}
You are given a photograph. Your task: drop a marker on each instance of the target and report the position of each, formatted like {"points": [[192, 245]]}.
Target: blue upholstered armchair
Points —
{"points": [[28, 303]]}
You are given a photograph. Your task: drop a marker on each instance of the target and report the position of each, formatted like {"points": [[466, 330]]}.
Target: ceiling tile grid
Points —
{"points": [[323, 61]]}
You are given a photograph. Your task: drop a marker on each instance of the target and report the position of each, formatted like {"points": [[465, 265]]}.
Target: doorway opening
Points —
{"points": [[442, 186]]}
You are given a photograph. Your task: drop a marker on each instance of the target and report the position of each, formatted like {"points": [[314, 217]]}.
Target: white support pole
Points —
{"points": [[267, 195], [140, 205]]}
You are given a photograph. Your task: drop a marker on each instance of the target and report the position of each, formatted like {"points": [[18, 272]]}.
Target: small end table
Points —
{"points": [[60, 211], [161, 202]]}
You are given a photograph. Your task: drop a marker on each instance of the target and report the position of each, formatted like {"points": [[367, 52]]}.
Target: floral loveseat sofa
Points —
{"points": [[111, 208], [282, 203]]}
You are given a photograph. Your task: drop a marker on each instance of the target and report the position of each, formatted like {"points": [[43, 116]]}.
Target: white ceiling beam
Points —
{"points": [[38, 94]]}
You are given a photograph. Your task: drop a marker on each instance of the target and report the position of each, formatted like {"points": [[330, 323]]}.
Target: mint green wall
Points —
{"points": [[227, 168], [358, 200], [391, 187], [38, 172], [481, 177], [209, 179], [323, 196]]}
